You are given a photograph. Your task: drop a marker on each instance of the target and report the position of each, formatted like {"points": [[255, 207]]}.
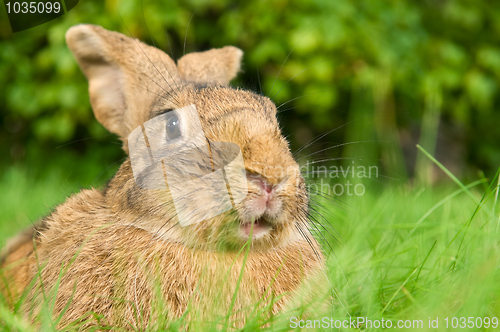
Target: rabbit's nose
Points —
{"points": [[260, 182], [266, 202], [264, 185]]}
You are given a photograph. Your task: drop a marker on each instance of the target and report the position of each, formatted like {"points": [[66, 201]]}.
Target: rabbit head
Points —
{"points": [[131, 83]]}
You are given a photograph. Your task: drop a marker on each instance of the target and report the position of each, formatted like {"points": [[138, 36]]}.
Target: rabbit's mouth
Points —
{"points": [[258, 228]]}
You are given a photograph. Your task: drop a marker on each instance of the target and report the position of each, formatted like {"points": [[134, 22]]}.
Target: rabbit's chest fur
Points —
{"points": [[114, 270]]}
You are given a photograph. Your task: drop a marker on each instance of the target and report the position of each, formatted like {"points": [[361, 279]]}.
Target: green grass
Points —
{"points": [[25, 198], [33, 189], [397, 252]]}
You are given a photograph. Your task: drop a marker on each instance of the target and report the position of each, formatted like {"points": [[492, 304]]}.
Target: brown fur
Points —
{"points": [[114, 244]]}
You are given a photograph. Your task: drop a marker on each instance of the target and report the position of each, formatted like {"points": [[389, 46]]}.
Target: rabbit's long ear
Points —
{"points": [[216, 66], [125, 76]]}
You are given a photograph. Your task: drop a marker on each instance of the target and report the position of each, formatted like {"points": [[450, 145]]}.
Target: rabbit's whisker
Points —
{"points": [[304, 95], [346, 207], [331, 199], [109, 166], [325, 160], [82, 139], [185, 35], [144, 88], [168, 229], [315, 107], [260, 84], [314, 64], [320, 234], [168, 93], [329, 172], [289, 53], [157, 50], [317, 138], [154, 66], [316, 221], [304, 235], [337, 146]]}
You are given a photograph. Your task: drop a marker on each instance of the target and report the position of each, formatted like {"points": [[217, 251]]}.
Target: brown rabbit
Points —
{"points": [[119, 247]]}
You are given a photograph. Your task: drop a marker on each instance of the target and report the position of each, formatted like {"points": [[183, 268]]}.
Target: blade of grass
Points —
{"points": [[233, 300], [451, 176], [13, 321], [441, 202], [399, 289]]}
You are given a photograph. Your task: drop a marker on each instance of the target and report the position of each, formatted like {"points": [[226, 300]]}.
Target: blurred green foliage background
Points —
{"points": [[387, 74]]}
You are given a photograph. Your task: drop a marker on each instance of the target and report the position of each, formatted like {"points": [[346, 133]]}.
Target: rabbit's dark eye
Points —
{"points": [[173, 126]]}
